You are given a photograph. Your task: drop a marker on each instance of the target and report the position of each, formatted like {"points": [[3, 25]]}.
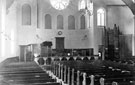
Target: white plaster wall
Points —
{"points": [[73, 38], [123, 17], [97, 30], [0, 21], [11, 27], [26, 34]]}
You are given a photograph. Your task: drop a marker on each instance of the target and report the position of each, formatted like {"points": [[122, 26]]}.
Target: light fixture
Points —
{"points": [[87, 7]]}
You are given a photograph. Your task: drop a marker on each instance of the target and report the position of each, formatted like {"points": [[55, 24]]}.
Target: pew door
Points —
{"points": [[22, 56]]}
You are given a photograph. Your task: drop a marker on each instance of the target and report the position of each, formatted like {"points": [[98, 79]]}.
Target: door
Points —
{"points": [[59, 45]]}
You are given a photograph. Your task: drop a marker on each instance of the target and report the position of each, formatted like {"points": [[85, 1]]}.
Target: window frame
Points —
{"points": [[45, 24], [24, 22], [101, 17]]}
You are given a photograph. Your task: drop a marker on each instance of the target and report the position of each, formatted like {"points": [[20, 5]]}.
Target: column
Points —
{"points": [[84, 79], [2, 28], [65, 74], [72, 79], [78, 77], [68, 76], [114, 83], [133, 53], [102, 81], [62, 72], [92, 80], [59, 70]]}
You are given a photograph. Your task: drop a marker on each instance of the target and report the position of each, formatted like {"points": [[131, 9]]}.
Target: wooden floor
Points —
{"points": [[24, 74]]}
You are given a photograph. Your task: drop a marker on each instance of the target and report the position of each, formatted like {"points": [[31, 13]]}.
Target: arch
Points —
{"points": [[85, 59], [71, 22], [26, 14], [41, 61], [71, 59], [56, 59], [64, 59], [48, 61], [59, 22], [48, 21], [78, 59], [82, 22], [100, 17]]}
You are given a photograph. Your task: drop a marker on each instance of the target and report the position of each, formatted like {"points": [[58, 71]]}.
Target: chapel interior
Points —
{"points": [[67, 42]]}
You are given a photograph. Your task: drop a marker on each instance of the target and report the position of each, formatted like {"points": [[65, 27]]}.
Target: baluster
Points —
{"points": [[102, 81], [92, 80], [45, 59], [72, 79], [78, 77], [84, 79], [68, 75], [62, 72], [65, 74]]}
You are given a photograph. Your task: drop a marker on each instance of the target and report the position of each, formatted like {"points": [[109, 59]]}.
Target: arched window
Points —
{"points": [[82, 4], [59, 22], [26, 14], [82, 20], [71, 22], [101, 17], [48, 21]]}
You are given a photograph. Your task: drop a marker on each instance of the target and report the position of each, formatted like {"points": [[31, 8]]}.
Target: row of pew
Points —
{"points": [[93, 72], [24, 73]]}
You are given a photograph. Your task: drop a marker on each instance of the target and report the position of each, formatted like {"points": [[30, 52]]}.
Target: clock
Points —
{"points": [[59, 4], [60, 33]]}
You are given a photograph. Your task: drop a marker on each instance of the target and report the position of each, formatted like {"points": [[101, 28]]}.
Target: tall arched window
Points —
{"points": [[82, 4], [71, 22], [48, 21], [82, 20], [101, 17], [26, 14], [59, 22]]}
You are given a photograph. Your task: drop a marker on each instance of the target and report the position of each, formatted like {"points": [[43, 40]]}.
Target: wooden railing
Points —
{"points": [[59, 58]]}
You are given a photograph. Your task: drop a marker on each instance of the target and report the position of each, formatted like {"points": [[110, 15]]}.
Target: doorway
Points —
{"points": [[60, 45]]}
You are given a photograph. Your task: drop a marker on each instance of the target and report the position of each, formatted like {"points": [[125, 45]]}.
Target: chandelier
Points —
{"points": [[86, 7]]}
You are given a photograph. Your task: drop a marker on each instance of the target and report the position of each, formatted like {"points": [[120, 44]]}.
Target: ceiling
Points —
{"points": [[130, 4], [113, 2]]}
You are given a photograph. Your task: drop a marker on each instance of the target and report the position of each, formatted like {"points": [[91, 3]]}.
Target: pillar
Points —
{"points": [[56, 70], [68, 76], [84, 79], [59, 70], [65, 74], [72, 79], [102, 81], [133, 49], [78, 77], [62, 72], [114, 83], [92, 80], [2, 28]]}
